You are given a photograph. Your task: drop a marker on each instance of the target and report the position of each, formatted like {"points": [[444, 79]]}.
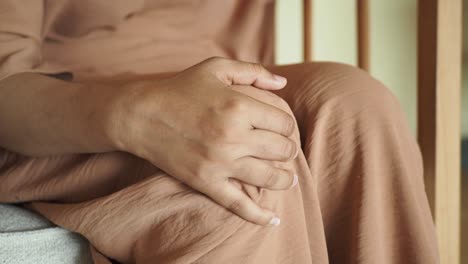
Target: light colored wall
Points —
{"points": [[288, 35], [394, 46], [393, 42]]}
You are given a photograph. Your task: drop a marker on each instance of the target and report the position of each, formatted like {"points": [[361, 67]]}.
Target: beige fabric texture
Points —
{"points": [[96, 38], [360, 197]]}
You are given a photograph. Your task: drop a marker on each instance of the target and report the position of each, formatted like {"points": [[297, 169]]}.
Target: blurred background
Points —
{"points": [[393, 45]]}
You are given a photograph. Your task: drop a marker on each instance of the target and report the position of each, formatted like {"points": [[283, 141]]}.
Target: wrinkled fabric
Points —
{"points": [[360, 197], [92, 38]]}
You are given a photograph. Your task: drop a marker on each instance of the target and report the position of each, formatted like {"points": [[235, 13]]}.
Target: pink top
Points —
{"points": [[99, 38]]}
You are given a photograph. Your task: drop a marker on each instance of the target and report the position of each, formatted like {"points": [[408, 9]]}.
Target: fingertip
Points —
{"points": [[274, 220], [271, 82], [280, 80]]}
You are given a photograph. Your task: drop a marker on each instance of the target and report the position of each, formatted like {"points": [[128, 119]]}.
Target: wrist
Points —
{"points": [[125, 108], [115, 118], [98, 116], [133, 103]]}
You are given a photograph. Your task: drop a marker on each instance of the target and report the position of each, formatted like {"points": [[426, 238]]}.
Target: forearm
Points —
{"points": [[40, 115]]}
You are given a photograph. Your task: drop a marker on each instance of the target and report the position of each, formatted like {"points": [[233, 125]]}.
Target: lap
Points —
{"points": [[160, 218], [130, 209]]}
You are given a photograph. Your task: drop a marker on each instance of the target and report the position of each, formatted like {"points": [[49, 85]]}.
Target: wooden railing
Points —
{"points": [[439, 102]]}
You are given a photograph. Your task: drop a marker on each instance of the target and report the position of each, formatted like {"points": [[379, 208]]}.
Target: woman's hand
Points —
{"points": [[201, 128]]}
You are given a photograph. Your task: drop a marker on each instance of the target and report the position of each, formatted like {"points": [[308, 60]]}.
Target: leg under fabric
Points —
{"points": [[367, 166], [157, 218], [133, 212], [358, 175]]}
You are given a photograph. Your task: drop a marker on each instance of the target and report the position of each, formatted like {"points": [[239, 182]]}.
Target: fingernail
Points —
{"points": [[280, 79], [295, 181], [275, 221]]}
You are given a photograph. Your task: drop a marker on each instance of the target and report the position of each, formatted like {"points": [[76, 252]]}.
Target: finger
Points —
{"points": [[267, 117], [261, 95], [235, 200], [261, 174], [265, 112], [267, 145], [239, 72]]}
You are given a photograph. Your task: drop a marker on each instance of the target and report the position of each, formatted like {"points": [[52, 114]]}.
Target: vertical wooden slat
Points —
{"points": [[363, 39], [307, 27], [439, 88], [427, 84]]}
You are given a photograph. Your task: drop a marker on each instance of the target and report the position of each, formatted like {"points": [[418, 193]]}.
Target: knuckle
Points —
{"points": [[256, 68], [220, 135], [288, 125], [214, 63], [235, 106], [218, 150], [235, 205], [289, 149], [208, 152], [202, 170], [272, 178], [216, 129], [214, 59], [207, 178]]}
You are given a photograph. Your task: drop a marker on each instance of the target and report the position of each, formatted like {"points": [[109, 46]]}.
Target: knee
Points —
{"points": [[339, 89]]}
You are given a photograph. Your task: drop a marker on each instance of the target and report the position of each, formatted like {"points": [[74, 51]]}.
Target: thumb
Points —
{"points": [[246, 73]]}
